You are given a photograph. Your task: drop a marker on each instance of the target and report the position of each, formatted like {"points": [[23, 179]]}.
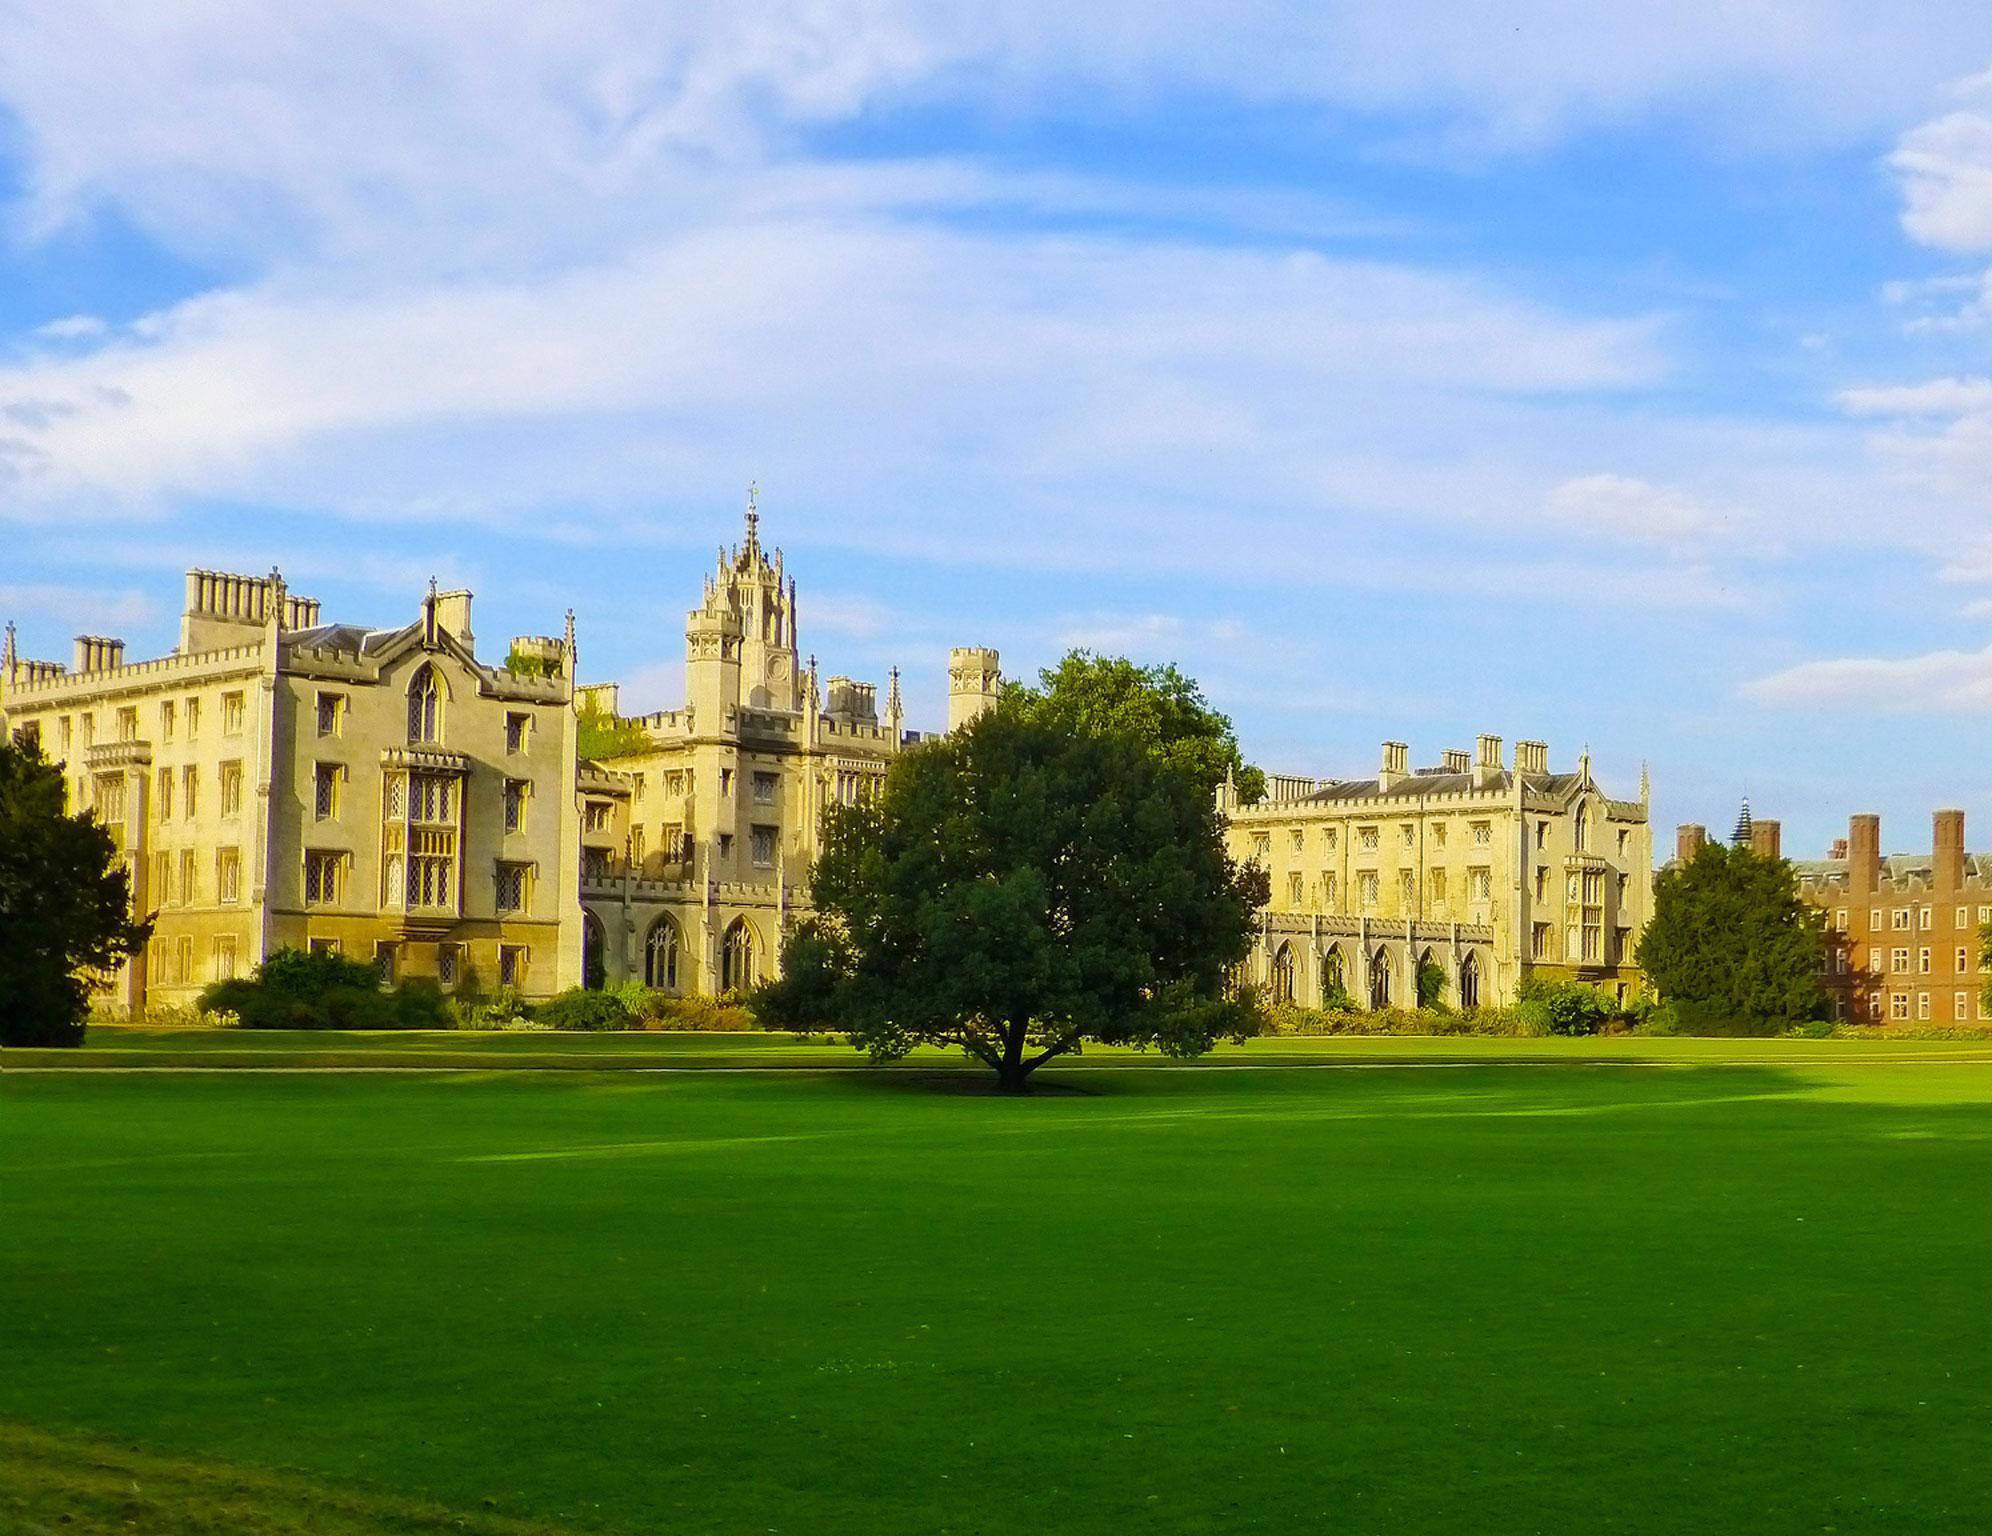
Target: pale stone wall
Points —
{"points": [[206, 763], [1525, 869]]}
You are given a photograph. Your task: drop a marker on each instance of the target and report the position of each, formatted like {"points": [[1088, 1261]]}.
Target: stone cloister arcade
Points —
{"points": [[1312, 960]]}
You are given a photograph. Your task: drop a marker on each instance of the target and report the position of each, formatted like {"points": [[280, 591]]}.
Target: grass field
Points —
{"points": [[1411, 1285]]}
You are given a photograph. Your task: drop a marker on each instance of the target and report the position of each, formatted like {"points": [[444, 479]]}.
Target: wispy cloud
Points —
{"points": [[1929, 684]]}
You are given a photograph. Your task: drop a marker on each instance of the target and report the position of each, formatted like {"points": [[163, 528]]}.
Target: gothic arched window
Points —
{"points": [[736, 958], [660, 956], [1282, 986], [425, 707]]}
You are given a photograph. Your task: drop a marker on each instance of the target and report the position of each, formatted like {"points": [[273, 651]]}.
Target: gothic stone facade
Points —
{"points": [[1485, 871], [280, 782], [699, 832]]}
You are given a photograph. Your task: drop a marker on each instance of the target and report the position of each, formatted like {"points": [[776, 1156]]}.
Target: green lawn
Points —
{"points": [[1479, 1285]]}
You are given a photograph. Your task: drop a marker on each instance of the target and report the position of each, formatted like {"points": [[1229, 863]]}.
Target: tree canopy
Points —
{"points": [[65, 904], [1731, 948], [1159, 708], [1019, 888]]}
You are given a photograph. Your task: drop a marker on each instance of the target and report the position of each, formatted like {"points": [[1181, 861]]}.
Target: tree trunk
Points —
{"points": [[1013, 1073]]}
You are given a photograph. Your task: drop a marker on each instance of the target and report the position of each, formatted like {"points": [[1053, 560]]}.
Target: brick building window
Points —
{"points": [[232, 714], [331, 714], [231, 788], [515, 804], [228, 875], [511, 965], [764, 788], [516, 726], [190, 791]]}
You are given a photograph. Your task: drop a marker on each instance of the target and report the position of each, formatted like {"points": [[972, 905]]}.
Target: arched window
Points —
{"points": [[736, 958], [1334, 977], [660, 956], [1469, 981], [425, 706], [1379, 978], [1282, 981], [1583, 827], [594, 956], [1431, 981]]}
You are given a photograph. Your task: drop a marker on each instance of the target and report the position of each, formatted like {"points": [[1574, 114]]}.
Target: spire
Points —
{"points": [[893, 710], [568, 640], [753, 545], [1740, 838], [8, 655]]}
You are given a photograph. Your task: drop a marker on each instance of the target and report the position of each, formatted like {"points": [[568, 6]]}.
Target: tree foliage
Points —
{"points": [[1019, 888], [1731, 947], [65, 904], [296, 989], [1157, 707], [600, 736]]}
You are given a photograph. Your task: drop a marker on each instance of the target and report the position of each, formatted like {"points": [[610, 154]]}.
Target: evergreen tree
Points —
{"points": [[65, 904], [1731, 948]]}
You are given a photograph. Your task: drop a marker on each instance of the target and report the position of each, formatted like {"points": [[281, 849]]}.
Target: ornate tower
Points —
{"points": [[740, 640], [975, 675]]}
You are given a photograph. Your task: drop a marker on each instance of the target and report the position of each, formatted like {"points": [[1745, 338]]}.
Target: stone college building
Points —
{"points": [[279, 781], [391, 794]]}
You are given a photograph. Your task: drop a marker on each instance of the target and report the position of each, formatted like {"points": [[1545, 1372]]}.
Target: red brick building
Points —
{"points": [[1904, 928]]}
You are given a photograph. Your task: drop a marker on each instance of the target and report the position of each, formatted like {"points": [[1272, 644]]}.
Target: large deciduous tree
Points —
{"points": [[65, 904], [1021, 887], [1158, 707], [1731, 948]]}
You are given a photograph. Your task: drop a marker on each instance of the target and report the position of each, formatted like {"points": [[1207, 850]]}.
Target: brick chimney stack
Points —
{"points": [[1689, 840], [1948, 839], [1766, 839], [1838, 850], [1864, 852]]}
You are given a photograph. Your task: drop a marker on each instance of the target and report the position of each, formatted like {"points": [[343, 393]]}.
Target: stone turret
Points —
{"points": [[975, 679]]}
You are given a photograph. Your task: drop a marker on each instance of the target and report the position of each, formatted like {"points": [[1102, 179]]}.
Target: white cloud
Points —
{"points": [[380, 126], [1946, 166], [1937, 397], [1935, 683], [1979, 608], [1621, 506], [1968, 564], [1036, 349]]}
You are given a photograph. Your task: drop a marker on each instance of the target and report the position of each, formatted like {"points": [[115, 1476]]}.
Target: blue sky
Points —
{"points": [[1618, 379]]}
